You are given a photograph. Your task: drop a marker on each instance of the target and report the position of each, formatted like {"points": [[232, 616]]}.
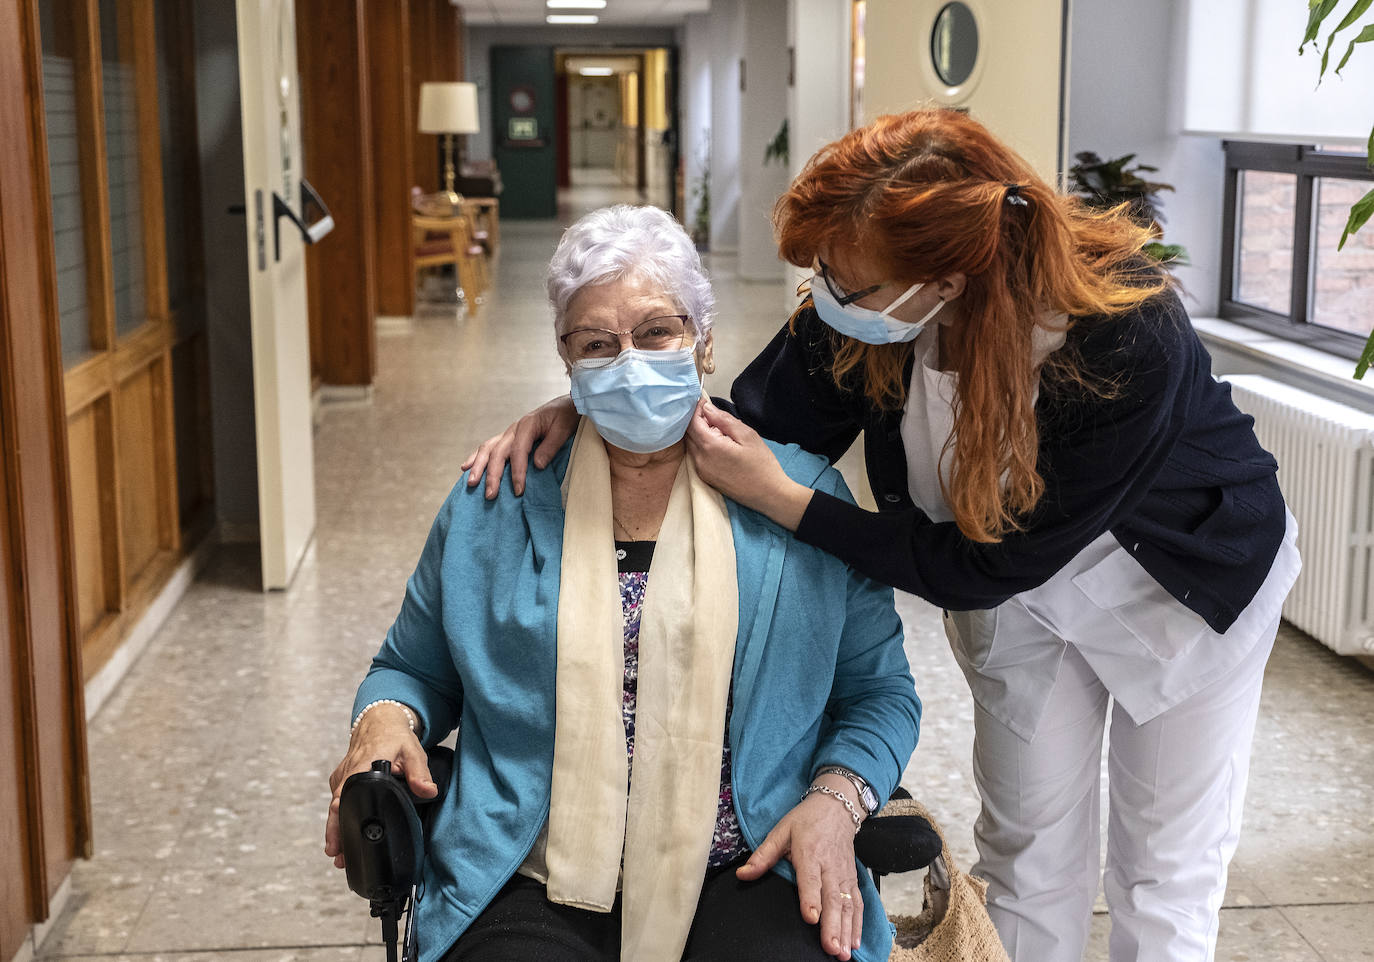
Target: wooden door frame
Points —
{"points": [[33, 405]]}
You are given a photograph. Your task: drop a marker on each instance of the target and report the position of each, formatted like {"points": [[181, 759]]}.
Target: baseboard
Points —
{"points": [[39, 931], [25, 953], [104, 682], [345, 395], [56, 906], [238, 532], [389, 326]]}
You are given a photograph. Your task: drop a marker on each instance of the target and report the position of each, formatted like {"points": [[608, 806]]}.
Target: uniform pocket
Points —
{"points": [[1120, 586], [972, 633]]}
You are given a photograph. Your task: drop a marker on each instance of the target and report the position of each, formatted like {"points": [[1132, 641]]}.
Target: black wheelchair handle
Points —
{"points": [[383, 843]]}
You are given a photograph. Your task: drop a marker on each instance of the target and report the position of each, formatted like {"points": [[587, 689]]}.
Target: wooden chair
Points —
{"points": [[486, 218], [449, 240]]}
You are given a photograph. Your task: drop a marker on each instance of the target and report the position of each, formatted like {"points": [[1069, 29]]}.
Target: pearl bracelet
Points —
{"points": [[410, 715], [840, 797]]}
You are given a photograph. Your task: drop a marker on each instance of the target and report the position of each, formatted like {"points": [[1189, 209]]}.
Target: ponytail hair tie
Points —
{"points": [[1014, 197]]}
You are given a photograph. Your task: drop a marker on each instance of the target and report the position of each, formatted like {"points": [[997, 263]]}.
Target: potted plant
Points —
{"points": [[778, 148], [1105, 184], [701, 194]]}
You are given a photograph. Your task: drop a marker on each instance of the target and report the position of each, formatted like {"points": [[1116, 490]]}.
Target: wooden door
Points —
{"points": [[44, 801], [101, 111], [391, 110], [523, 130], [1004, 62], [15, 842]]}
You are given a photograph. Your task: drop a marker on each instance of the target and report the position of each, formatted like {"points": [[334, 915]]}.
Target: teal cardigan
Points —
{"points": [[819, 678]]}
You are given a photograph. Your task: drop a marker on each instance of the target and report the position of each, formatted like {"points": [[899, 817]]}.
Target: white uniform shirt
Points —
{"points": [[1149, 650]]}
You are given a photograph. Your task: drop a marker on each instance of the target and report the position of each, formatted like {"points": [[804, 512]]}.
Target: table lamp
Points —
{"points": [[448, 108]]}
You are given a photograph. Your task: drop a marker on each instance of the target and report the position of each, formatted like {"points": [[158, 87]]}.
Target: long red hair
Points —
{"points": [[922, 195]]}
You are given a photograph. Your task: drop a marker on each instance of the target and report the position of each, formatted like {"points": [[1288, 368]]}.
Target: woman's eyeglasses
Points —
{"points": [[667, 332], [838, 292]]}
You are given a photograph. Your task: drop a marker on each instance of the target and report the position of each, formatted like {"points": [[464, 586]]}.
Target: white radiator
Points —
{"points": [[1325, 452]]}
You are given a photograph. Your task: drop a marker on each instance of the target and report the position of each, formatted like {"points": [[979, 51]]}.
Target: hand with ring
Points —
{"points": [[817, 837]]}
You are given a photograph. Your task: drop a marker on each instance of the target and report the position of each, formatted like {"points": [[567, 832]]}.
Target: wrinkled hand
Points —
{"points": [[731, 457], [384, 733], [554, 421], [817, 837]]}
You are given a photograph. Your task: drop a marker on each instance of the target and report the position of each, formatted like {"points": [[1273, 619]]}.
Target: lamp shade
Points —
{"points": [[448, 108]]}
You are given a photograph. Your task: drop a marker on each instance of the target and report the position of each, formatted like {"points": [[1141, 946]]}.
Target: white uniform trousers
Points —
{"points": [[1176, 788]]}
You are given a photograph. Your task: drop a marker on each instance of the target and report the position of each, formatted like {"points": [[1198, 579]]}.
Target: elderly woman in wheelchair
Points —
{"points": [[673, 717]]}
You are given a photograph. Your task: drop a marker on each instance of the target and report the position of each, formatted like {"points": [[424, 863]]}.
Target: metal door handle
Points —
{"points": [[310, 233]]}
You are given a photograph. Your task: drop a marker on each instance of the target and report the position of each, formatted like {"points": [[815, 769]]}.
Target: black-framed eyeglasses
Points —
{"points": [[838, 292], [666, 332]]}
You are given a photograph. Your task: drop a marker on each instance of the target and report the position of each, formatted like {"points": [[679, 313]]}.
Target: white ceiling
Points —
{"points": [[617, 13]]}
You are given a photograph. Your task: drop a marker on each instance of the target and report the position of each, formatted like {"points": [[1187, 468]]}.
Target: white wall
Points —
{"points": [[727, 47], [818, 101], [477, 59], [1128, 98], [763, 110], [694, 117]]}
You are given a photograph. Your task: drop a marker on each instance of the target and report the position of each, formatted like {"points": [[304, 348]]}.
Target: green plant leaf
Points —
{"points": [[1353, 14], [1369, 150], [1170, 255], [1318, 10], [1364, 36], [1366, 358], [1360, 212], [1355, 11]]}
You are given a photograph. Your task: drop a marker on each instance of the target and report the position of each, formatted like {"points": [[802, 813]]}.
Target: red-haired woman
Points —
{"points": [[1056, 467]]}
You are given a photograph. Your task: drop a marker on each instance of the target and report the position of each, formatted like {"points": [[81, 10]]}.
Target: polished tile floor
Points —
{"points": [[209, 762]]}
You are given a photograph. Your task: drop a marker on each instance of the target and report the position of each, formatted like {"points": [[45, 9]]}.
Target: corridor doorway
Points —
{"points": [[617, 126]]}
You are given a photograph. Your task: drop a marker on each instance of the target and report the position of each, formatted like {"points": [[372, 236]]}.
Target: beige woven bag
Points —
{"points": [[953, 925]]}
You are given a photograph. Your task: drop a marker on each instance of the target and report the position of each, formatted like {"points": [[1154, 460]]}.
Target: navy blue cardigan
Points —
{"points": [[1168, 465]]}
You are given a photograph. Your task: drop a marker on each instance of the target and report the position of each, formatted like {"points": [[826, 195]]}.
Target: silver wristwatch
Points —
{"points": [[867, 797]]}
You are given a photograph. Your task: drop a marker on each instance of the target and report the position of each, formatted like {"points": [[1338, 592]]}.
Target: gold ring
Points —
{"points": [[845, 895]]}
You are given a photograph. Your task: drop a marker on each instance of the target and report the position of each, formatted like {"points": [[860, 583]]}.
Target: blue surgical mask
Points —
{"points": [[865, 324], [642, 401]]}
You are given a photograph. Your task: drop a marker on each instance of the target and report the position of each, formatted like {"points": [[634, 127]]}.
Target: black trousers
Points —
{"points": [[735, 922]]}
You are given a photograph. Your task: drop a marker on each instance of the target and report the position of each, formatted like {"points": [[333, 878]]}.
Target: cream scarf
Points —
{"points": [[686, 654]]}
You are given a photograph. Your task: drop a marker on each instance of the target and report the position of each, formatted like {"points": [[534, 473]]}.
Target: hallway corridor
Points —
{"points": [[210, 761]]}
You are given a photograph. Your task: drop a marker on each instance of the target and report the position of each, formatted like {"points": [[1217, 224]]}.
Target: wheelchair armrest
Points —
{"points": [[441, 762], [895, 841]]}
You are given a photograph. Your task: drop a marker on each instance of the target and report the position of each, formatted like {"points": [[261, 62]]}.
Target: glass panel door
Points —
{"points": [[105, 168], [70, 178], [119, 83]]}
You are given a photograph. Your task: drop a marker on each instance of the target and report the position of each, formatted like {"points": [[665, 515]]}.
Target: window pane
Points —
{"points": [[1343, 281], [121, 147], [1264, 239], [64, 178]]}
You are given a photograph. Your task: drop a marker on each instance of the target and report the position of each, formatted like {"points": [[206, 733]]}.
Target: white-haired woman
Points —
{"points": [[661, 695]]}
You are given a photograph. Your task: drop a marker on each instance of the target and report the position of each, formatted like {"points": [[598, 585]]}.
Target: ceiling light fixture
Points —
{"points": [[576, 4], [596, 71], [571, 18]]}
